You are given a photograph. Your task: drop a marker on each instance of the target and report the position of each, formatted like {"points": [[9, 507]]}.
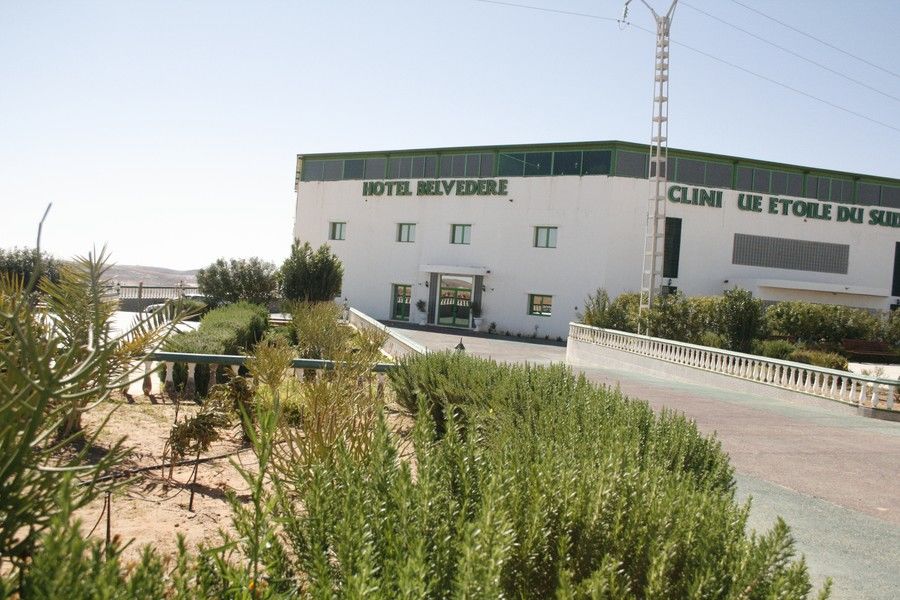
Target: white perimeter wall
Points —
{"points": [[600, 241]]}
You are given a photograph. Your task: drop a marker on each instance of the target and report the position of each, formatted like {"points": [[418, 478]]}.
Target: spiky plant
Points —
{"points": [[58, 358]]}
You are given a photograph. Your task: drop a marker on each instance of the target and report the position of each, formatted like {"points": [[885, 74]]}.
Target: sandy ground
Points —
{"points": [[150, 508]]}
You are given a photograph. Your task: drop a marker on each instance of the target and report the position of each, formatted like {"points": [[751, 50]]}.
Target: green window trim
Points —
{"points": [[545, 236], [540, 305], [461, 234], [337, 230], [406, 233]]}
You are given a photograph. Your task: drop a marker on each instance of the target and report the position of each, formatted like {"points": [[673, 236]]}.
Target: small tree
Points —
{"points": [[251, 279], [741, 319], [21, 262], [311, 276]]}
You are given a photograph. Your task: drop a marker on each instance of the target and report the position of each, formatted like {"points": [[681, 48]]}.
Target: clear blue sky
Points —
{"points": [[169, 130]]}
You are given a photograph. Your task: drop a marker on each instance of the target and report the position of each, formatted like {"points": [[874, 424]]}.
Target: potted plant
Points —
{"points": [[475, 307], [422, 306]]}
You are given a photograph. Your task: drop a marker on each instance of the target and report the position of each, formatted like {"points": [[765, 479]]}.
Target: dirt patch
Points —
{"points": [[149, 508]]}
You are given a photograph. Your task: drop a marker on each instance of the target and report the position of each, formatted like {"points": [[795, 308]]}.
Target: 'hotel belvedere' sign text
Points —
{"points": [[437, 187]]}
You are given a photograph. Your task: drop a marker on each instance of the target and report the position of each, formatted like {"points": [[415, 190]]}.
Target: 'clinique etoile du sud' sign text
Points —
{"points": [[437, 187], [775, 205]]}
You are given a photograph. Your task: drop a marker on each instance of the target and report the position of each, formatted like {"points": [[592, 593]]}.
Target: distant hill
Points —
{"points": [[134, 274]]}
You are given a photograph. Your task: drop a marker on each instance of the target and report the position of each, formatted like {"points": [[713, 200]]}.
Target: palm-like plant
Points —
{"points": [[58, 358]]}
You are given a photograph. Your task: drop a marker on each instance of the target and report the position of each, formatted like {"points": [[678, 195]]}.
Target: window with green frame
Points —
{"points": [[460, 234], [540, 305], [545, 237], [406, 232], [337, 230], [400, 301]]}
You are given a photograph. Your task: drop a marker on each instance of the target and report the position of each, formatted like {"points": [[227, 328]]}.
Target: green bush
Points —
{"points": [[779, 349], [232, 329], [312, 276], [249, 280], [672, 317], [21, 262], [740, 319], [711, 339], [816, 323], [829, 360]]}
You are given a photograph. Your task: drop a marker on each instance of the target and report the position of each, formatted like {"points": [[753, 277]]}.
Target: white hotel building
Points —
{"points": [[529, 231]]}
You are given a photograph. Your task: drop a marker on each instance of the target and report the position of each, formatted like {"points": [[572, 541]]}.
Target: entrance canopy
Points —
{"points": [[454, 269]]}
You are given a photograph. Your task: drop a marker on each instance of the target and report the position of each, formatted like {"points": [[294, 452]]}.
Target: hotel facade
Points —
{"points": [[527, 232]]}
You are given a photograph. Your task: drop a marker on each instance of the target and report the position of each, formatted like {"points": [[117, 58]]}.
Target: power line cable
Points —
{"points": [[550, 10], [821, 41], [792, 53], [703, 53]]}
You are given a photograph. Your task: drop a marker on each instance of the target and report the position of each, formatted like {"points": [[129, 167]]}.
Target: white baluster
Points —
{"points": [[169, 385]]}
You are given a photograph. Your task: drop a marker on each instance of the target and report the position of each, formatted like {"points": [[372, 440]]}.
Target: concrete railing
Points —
{"points": [[300, 367], [396, 345], [841, 386], [153, 292]]}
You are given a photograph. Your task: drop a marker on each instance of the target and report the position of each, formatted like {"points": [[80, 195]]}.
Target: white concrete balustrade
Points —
{"points": [[841, 386]]}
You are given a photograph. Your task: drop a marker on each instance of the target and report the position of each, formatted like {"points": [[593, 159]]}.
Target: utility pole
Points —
{"points": [[655, 226]]}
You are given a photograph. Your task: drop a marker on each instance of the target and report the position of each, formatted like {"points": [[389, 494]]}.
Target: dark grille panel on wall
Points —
{"points": [[785, 253]]}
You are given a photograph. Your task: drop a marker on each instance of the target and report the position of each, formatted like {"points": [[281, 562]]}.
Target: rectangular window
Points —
{"points": [[567, 163], [337, 230], [375, 168], [313, 170], [895, 284], [460, 234], [761, 180], [401, 300], [354, 168], [631, 164], [431, 165], [868, 193], [458, 168], [406, 232], [487, 165], [538, 163], [540, 305], [718, 175], [334, 170], [596, 162], [744, 179], [545, 237], [690, 171], [672, 247], [511, 165], [890, 196], [473, 164]]}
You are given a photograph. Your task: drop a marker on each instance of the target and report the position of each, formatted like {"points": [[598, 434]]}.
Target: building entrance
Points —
{"points": [[454, 300]]}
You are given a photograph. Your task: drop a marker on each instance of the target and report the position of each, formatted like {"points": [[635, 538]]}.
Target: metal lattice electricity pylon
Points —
{"points": [[655, 227]]}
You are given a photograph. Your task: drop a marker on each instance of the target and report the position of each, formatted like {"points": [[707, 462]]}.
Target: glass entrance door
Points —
{"points": [[454, 300]]}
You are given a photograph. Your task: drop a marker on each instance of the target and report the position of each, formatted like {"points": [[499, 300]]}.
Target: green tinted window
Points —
{"points": [[567, 163], [512, 165], [596, 162]]}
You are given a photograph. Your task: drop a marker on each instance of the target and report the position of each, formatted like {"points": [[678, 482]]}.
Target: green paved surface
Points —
{"points": [[833, 476], [860, 553]]}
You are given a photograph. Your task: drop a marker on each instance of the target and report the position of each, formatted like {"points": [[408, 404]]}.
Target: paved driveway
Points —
{"points": [[835, 478]]}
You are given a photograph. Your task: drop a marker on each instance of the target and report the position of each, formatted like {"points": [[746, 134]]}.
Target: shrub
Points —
{"points": [[311, 276], [250, 280], [891, 332], [318, 332], [47, 376], [740, 319], [672, 317], [829, 360], [21, 262], [712, 340], [779, 349], [814, 323]]}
